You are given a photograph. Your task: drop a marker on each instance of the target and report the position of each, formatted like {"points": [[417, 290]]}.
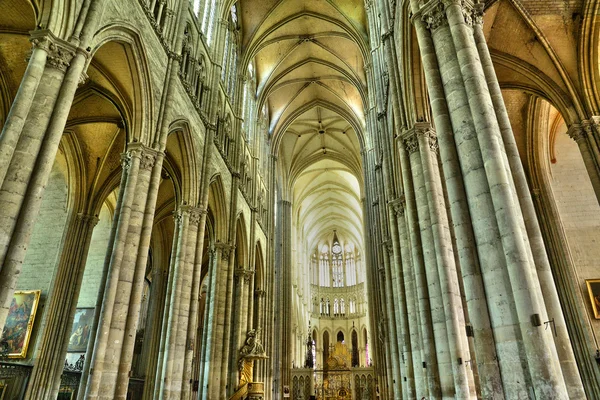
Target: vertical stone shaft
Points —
{"points": [[45, 378], [430, 274], [168, 378], [428, 362], [153, 346], [490, 382], [21, 106], [398, 281], [544, 272], [406, 279], [164, 330], [493, 264], [547, 379], [184, 343], [239, 293], [27, 172], [448, 276], [105, 273], [134, 277], [206, 332], [226, 389], [198, 220], [214, 346], [286, 285], [111, 360]]}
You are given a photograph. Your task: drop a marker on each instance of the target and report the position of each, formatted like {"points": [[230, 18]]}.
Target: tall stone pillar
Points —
{"points": [[478, 142], [285, 291], [113, 347], [427, 365], [49, 362], [240, 311], [198, 219], [216, 339], [204, 351], [429, 273], [540, 257], [447, 272], [177, 308], [30, 152], [413, 358]]}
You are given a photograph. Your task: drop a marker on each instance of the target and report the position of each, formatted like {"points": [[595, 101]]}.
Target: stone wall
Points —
{"points": [[579, 212], [95, 260]]}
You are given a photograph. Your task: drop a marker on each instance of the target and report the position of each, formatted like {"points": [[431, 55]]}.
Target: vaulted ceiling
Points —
{"points": [[309, 58]]}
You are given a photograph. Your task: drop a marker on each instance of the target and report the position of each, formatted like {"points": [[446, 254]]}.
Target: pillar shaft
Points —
{"points": [[45, 378], [542, 263], [111, 361], [430, 274], [447, 273]]}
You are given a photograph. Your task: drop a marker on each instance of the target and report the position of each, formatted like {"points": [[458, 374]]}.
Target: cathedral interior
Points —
{"points": [[303, 199]]}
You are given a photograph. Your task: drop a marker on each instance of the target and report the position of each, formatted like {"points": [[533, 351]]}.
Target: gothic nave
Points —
{"points": [[303, 199]]}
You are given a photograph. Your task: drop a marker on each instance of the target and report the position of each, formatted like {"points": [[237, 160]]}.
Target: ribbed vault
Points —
{"points": [[310, 58]]}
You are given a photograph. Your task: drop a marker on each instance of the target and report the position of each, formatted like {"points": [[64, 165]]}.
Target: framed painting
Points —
{"points": [[593, 287], [19, 323], [80, 332]]}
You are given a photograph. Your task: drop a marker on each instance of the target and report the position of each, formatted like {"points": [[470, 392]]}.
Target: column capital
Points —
{"points": [[398, 205], [146, 154], [577, 132], [424, 129], [388, 246], [260, 293], [195, 213], [225, 249], [433, 14], [60, 52], [410, 142], [87, 219], [477, 14], [245, 273]]}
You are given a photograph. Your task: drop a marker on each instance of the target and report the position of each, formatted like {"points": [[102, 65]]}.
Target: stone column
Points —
{"points": [[153, 346], [426, 366], [468, 92], [198, 220], [430, 274], [215, 339], [49, 361], [177, 310], [163, 311], [447, 272], [202, 357], [111, 360], [542, 263], [546, 378], [285, 291], [240, 308], [29, 163], [259, 299], [413, 358], [226, 390], [442, 57], [24, 99], [490, 383]]}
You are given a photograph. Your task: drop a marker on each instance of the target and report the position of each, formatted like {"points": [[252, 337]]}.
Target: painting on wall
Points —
{"points": [[80, 333], [593, 287], [19, 323]]}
